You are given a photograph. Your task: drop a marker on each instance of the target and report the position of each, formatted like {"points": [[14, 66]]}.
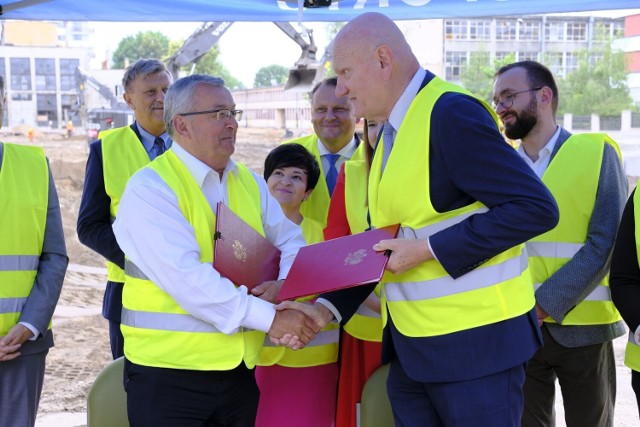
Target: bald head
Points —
{"points": [[374, 64], [373, 29]]}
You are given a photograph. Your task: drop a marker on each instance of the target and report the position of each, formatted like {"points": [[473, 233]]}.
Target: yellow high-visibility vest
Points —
{"points": [[24, 200], [122, 155], [572, 177], [425, 301], [157, 331]]}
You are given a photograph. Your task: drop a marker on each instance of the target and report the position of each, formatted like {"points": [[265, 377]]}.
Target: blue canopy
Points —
{"points": [[286, 10]]}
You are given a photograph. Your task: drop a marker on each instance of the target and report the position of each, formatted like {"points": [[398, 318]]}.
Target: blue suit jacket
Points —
{"points": [[470, 161], [94, 225]]}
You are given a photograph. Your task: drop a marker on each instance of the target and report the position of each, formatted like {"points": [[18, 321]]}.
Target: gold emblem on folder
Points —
{"points": [[239, 251], [356, 257]]}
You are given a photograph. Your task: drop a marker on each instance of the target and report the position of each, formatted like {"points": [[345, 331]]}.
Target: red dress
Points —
{"points": [[358, 358]]}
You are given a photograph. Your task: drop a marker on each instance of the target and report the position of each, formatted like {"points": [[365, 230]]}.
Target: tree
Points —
{"points": [[147, 44], [271, 75], [598, 85], [477, 75], [209, 64]]}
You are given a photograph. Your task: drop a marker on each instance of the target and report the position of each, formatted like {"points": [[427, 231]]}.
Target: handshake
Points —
{"points": [[296, 324]]}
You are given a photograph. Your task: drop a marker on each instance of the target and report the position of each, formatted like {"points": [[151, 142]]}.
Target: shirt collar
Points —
{"points": [[148, 140], [196, 167], [404, 102], [346, 151], [547, 149]]}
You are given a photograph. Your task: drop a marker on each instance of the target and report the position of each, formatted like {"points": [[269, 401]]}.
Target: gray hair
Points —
{"points": [[179, 98], [1, 85], [143, 68]]}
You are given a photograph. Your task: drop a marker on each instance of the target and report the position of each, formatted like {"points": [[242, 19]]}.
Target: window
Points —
{"points": [[454, 64], [527, 56], [577, 31], [529, 30], [480, 30], [571, 60], [554, 31], [20, 73], [45, 74], [505, 29], [68, 73], [455, 30], [553, 60]]}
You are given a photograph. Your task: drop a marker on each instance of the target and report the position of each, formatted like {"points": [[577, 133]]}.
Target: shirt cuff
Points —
{"points": [[33, 329], [332, 308], [260, 314], [431, 250]]}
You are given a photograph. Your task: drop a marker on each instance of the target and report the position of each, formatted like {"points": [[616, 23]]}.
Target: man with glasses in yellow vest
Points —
{"points": [[569, 264], [112, 160], [33, 262], [191, 336]]}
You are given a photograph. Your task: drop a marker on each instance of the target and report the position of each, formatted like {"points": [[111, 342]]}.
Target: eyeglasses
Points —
{"points": [[507, 102], [220, 114]]}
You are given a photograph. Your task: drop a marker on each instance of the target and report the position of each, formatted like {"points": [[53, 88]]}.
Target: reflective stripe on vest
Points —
{"points": [[156, 330], [24, 199], [323, 348], [165, 321], [122, 155], [425, 301], [316, 206], [573, 177], [19, 262], [565, 250]]}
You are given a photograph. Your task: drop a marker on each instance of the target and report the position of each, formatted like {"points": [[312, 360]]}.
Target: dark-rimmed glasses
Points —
{"points": [[220, 114], [507, 102]]}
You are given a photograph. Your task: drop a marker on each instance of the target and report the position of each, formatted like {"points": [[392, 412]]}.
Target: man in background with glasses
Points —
{"points": [[570, 263], [112, 160], [191, 336]]}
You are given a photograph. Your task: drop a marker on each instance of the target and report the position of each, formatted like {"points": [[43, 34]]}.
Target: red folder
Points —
{"points": [[241, 254], [337, 264]]}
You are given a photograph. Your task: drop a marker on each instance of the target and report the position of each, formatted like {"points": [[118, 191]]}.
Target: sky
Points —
{"points": [[244, 48]]}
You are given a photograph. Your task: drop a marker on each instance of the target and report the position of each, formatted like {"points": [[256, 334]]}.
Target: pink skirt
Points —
{"points": [[297, 396]]}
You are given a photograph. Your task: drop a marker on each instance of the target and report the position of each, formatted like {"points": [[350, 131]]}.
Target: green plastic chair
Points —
{"points": [[375, 408], [107, 400]]}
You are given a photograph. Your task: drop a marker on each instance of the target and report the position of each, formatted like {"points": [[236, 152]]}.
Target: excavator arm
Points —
{"points": [[196, 46], [302, 76]]}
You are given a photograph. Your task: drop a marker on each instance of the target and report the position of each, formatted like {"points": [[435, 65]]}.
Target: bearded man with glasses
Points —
{"points": [[570, 263]]}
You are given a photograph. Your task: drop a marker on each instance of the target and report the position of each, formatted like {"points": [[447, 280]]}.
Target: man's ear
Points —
{"points": [[385, 58], [127, 99], [180, 125], [546, 95]]}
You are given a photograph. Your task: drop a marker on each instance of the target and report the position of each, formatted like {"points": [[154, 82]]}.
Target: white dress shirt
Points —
{"points": [[155, 235], [544, 156], [345, 154]]}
